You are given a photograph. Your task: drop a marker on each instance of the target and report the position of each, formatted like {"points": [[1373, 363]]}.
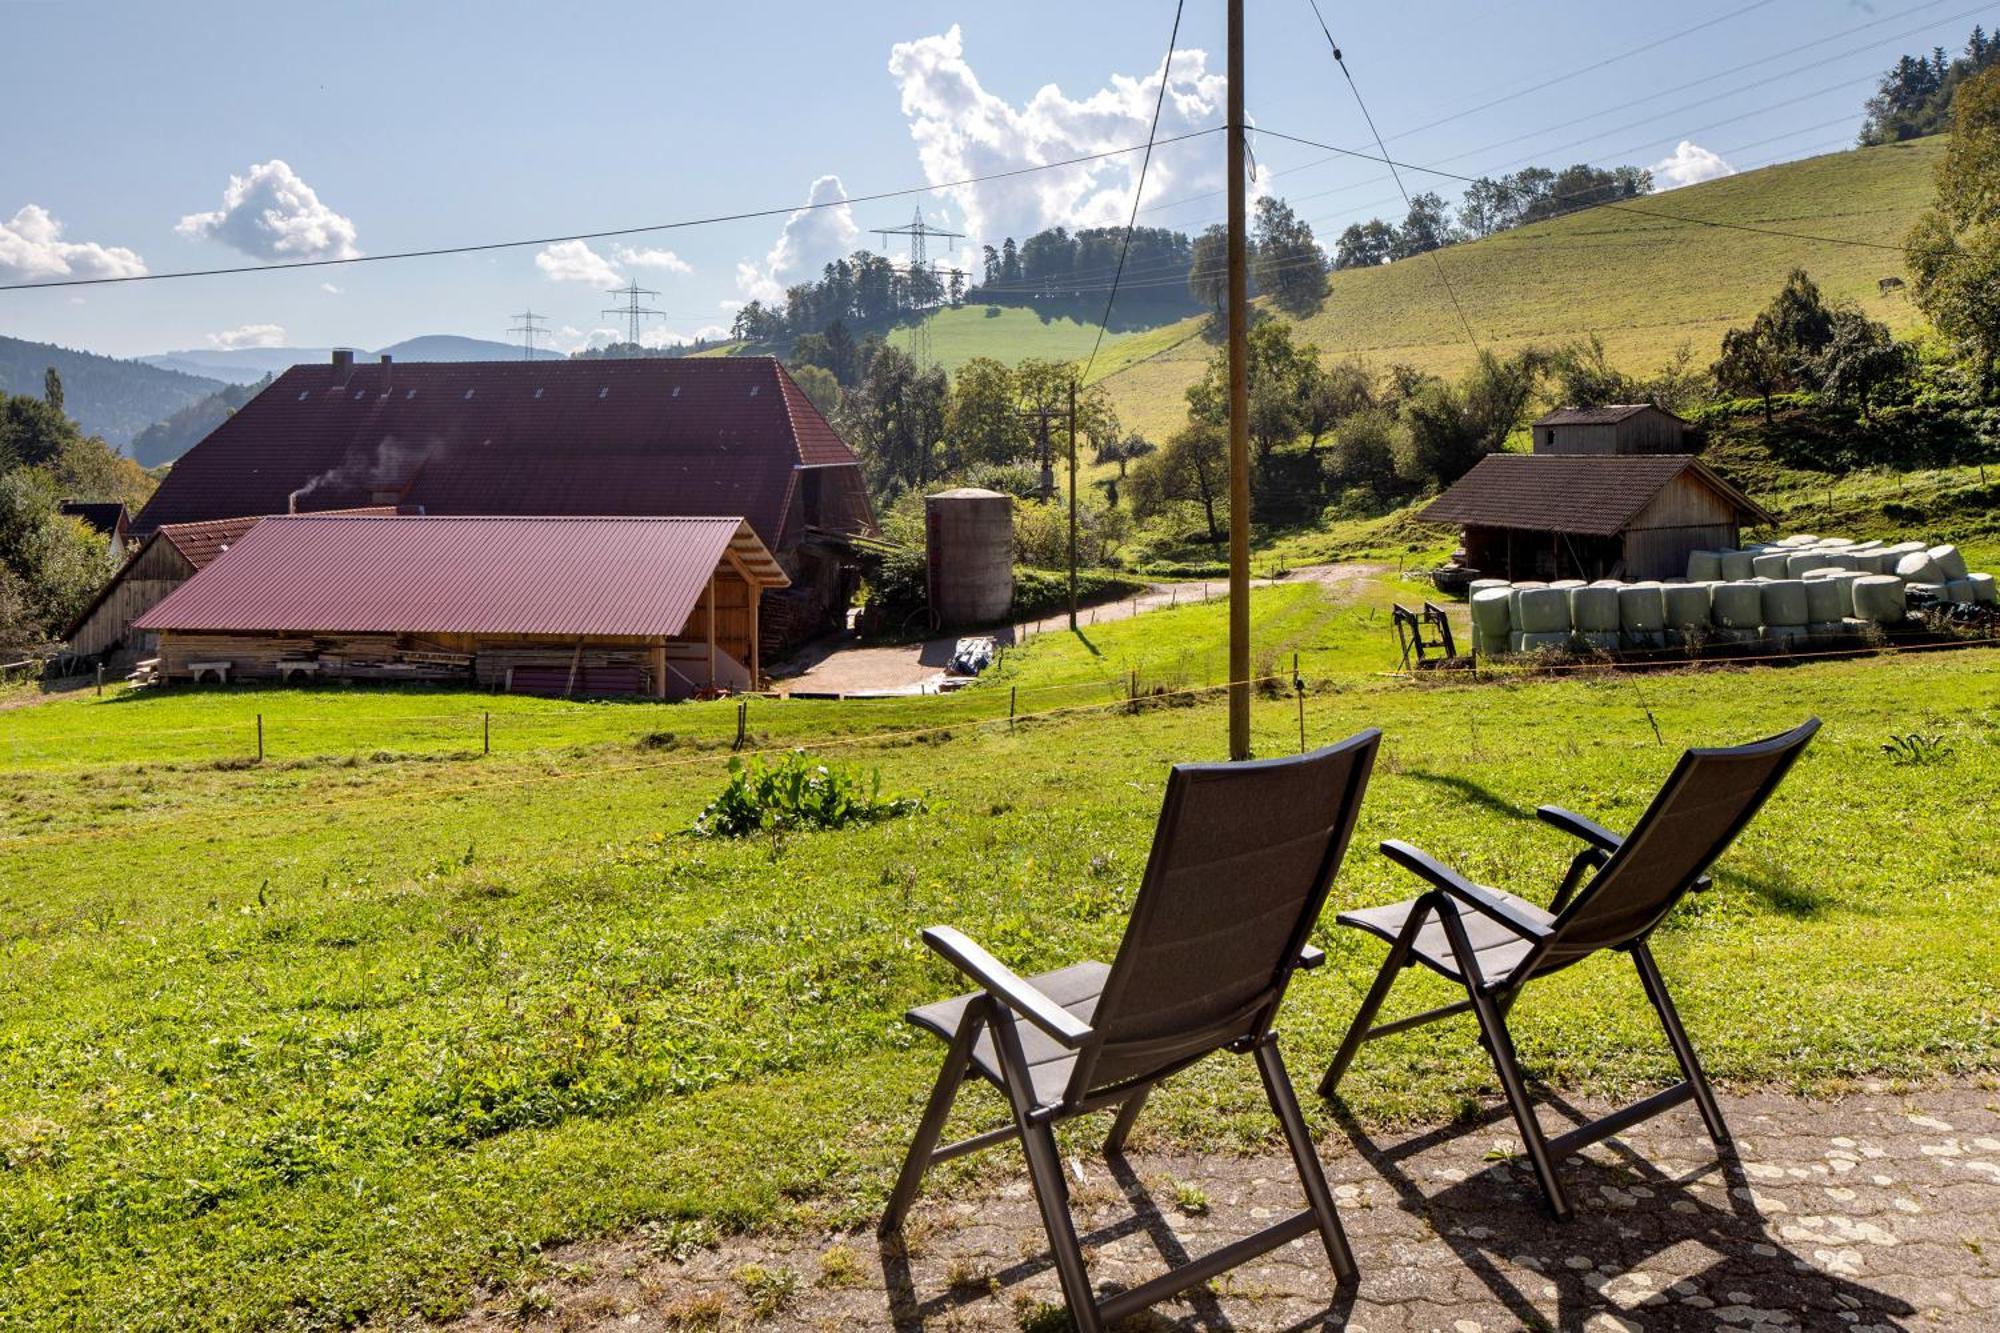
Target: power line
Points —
{"points": [[1354, 88], [633, 312], [1138, 193], [530, 328], [748, 215]]}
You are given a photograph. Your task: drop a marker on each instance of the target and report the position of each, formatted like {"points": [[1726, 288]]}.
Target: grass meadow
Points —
{"points": [[358, 1033]]}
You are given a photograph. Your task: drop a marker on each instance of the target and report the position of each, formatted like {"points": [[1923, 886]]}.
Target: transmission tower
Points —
{"points": [[529, 329], [919, 233], [632, 310]]}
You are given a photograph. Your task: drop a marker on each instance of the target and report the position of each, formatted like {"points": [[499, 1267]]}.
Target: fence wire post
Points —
{"points": [[260, 738], [742, 721], [100, 678], [486, 733], [1013, 692]]}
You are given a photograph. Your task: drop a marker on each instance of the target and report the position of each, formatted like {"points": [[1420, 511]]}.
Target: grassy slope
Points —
{"points": [[330, 1039], [1644, 284], [1008, 334]]}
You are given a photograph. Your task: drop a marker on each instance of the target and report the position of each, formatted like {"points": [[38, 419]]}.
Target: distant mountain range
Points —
{"points": [[247, 365], [108, 397]]}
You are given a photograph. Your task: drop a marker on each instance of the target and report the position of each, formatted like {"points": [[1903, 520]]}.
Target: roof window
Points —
{"points": [[359, 394], [675, 394], [304, 394], [408, 396], [754, 388], [538, 393], [604, 392], [469, 393]]}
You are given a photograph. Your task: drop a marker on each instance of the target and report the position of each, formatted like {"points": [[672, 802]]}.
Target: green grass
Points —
{"points": [[322, 1041]]}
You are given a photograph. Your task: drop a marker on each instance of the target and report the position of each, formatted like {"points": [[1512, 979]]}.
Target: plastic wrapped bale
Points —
{"points": [[1878, 561], [1514, 592], [1845, 581], [1703, 565], [1949, 562], [1824, 601], [1785, 636], [1797, 566], [1822, 631], [1605, 640], [1737, 606], [1901, 549], [1481, 585], [1738, 565], [1958, 592], [1924, 594], [1686, 605], [1881, 598], [1785, 603], [1516, 642], [1799, 539], [1492, 616], [1543, 611], [1771, 564], [1567, 584], [1841, 560], [1918, 567], [1541, 643], [1985, 590], [1642, 609], [1594, 609]]}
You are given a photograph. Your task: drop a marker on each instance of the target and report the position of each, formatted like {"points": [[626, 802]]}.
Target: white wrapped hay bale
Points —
{"points": [[1594, 609], [1492, 614], [1567, 584], [1542, 611], [1958, 592], [1738, 565], [1541, 643], [1514, 642], [1799, 539], [1738, 606], [1841, 560], [1606, 640], [1687, 604], [1825, 602], [1880, 598], [1642, 608], [1785, 603], [1785, 636], [1481, 585], [1514, 592], [1799, 565], [1924, 594], [1771, 565], [1901, 549], [1704, 565], [1918, 567], [1985, 591], [1949, 562], [1875, 562]]}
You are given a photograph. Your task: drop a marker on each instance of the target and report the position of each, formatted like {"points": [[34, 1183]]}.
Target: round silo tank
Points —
{"points": [[969, 539]]}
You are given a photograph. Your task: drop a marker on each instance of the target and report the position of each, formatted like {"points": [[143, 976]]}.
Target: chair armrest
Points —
{"points": [[1483, 901], [1577, 826], [1007, 986], [1310, 957]]}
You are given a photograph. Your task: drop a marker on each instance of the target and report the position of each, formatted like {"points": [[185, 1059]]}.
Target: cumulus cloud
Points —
{"points": [[660, 259], [32, 249], [329, 289], [270, 213], [248, 335], [812, 236], [1689, 164], [963, 130], [575, 261]]}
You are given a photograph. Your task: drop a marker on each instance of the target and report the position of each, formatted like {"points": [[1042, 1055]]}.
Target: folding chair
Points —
{"points": [[1242, 861], [1494, 943]]}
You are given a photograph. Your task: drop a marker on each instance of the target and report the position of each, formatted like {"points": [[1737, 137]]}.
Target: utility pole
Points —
{"points": [[632, 310], [530, 328], [1239, 408], [1072, 504], [919, 233], [1042, 416]]}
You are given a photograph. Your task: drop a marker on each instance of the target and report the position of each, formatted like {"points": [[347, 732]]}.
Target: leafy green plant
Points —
{"points": [[1917, 749], [798, 794]]}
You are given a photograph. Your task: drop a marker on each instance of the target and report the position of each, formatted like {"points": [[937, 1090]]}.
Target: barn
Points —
{"points": [[666, 607], [1615, 428], [1549, 516], [645, 437], [164, 561]]}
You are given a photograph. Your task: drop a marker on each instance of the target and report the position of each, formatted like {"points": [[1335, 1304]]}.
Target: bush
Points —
{"points": [[797, 794], [1038, 592]]}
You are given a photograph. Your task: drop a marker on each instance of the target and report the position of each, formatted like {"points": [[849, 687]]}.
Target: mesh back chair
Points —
{"points": [[1494, 943], [1242, 861]]}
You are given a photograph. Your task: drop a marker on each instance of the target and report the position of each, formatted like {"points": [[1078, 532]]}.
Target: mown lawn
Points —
{"points": [[341, 1038]]}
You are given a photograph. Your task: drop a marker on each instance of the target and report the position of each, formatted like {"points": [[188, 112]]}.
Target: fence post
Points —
{"points": [[260, 738], [1013, 691], [100, 678], [742, 721], [486, 733]]}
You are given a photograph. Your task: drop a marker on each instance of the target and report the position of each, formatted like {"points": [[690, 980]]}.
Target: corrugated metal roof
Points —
{"points": [[646, 436], [353, 574], [1609, 414], [1593, 494]]}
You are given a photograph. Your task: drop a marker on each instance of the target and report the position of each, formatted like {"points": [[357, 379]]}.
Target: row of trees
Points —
{"points": [[863, 288], [1058, 265], [1915, 96], [1490, 204], [1285, 262]]}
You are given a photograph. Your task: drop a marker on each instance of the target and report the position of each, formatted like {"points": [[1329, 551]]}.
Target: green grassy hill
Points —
{"points": [[1643, 283], [1005, 333]]}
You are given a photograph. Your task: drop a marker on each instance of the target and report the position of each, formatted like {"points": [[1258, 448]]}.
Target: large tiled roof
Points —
{"points": [[647, 436], [200, 543], [1609, 414], [352, 574], [1594, 494]]}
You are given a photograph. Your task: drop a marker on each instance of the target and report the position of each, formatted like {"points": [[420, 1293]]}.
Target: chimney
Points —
{"points": [[388, 371], [343, 358], [292, 503]]}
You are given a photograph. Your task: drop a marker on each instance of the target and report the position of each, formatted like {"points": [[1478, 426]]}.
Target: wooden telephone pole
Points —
{"points": [[1072, 504], [1239, 408]]}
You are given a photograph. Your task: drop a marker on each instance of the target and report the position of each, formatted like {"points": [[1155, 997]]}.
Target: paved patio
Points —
{"points": [[1880, 1210]]}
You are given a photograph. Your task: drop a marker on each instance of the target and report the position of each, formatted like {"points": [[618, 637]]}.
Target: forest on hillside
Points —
{"points": [[110, 397]]}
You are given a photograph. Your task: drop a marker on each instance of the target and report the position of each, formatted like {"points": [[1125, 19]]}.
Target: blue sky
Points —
{"points": [[374, 127]]}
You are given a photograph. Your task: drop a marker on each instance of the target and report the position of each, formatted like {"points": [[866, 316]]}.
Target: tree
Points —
{"points": [[1860, 359], [897, 416], [1193, 468], [1427, 227], [1918, 94], [1752, 363], [1279, 376], [986, 424], [1288, 264], [819, 385], [1365, 245], [1801, 323], [1364, 452], [52, 390], [1208, 274], [1585, 377], [1451, 427], [1486, 207], [1954, 250]]}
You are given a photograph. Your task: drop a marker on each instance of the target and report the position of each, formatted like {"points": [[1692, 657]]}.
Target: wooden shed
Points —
{"points": [[1538, 516], [570, 606], [1615, 428], [164, 561]]}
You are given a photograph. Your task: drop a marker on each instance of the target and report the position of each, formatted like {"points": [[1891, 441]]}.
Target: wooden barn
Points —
{"points": [[666, 607], [1616, 428], [645, 437], [1541, 516], [164, 561]]}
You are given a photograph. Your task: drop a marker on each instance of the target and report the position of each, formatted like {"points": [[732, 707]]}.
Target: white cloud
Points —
{"points": [[1689, 164], [575, 261], [329, 289], [270, 213], [32, 250], [812, 236], [962, 130], [660, 259], [669, 338], [248, 335]]}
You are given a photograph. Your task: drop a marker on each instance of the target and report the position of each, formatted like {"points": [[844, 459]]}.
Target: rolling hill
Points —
{"points": [[247, 365], [108, 397]]}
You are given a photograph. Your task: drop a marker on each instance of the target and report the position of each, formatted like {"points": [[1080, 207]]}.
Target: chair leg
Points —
{"points": [[1506, 1063], [1285, 1103], [1371, 1004], [950, 1078], [1128, 1115], [1038, 1141], [1670, 1019]]}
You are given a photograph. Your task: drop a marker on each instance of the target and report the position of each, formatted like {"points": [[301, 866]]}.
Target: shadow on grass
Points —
{"points": [[1483, 797]]}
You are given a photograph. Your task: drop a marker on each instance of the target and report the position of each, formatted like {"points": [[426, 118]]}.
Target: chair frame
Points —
{"points": [[1491, 1000], [1006, 1000]]}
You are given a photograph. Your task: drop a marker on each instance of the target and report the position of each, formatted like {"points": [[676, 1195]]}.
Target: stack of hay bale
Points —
{"points": [[1781, 593]]}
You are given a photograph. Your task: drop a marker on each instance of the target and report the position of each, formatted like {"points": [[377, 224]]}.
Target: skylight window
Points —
{"points": [[676, 393], [359, 394], [754, 388], [538, 393], [605, 392], [469, 393], [304, 394], [408, 396]]}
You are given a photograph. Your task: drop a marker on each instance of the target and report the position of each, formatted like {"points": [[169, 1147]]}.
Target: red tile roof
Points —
{"points": [[200, 543], [463, 575], [1592, 494], [648, 436]]}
